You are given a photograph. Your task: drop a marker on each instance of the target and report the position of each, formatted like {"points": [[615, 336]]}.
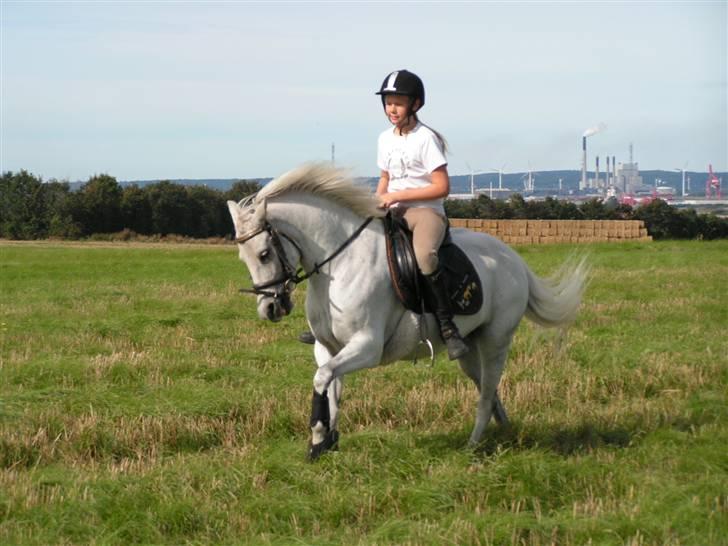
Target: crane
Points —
{"points": [[712, 184]]}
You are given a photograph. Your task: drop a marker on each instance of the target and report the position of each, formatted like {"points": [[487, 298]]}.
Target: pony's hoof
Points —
{"points": [[330, 443]]}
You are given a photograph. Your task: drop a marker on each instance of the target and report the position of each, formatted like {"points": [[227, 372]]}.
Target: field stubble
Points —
{"points": [[142, 401]]}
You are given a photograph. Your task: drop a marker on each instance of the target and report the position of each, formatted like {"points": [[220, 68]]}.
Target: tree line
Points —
{"points": [[662, 220], [33, 209]]}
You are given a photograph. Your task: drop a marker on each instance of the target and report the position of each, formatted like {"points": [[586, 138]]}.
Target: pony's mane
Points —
{"points": [[326, 181]]}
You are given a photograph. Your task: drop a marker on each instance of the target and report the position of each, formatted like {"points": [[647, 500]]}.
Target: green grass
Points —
{"points": [[142, 401]]}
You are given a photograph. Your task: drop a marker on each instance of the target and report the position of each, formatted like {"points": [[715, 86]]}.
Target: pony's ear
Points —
{"points": [[236, 213], [259, 214]]}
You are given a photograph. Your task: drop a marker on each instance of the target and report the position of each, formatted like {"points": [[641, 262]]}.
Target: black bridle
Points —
{"points": [[290, 277]]}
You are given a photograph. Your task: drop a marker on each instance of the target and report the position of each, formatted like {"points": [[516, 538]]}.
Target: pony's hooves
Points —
{"points": [[307, 337], [473, 445], [330, 443]]}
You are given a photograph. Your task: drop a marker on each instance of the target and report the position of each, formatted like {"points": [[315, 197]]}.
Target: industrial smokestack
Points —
{"points": [[607, 180], [583, 163], [596, 176], [589, 132]]}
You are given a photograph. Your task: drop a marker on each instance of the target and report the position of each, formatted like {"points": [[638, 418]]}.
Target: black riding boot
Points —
{"points": [[456, 347]]}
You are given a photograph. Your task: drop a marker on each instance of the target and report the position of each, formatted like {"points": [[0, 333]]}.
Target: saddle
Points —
{"points": [[463, 283]]}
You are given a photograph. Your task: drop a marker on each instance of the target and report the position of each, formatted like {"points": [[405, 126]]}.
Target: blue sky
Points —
{"points": [[150, 90]]}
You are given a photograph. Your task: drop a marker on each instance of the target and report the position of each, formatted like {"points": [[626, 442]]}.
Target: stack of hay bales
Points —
{"points": [[528, 232]]}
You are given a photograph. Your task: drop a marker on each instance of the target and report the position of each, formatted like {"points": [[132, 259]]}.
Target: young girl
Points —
{"points": [[414, 178]]}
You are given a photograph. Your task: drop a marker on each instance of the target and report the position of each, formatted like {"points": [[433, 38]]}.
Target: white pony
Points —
{"points": [[317, 218]]}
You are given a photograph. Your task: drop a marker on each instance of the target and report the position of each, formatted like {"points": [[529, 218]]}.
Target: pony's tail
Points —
{"points": [[555, 301]]}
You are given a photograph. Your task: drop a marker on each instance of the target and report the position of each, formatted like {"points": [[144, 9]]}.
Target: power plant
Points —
{"points": [[608, 180], [624, 178]]}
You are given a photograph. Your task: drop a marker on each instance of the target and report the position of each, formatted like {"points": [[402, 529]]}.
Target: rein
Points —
{"points": [[291, 277]]}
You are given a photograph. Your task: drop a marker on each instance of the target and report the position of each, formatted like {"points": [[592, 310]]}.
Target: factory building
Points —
{"points": [[622, 178], [628, 179]]}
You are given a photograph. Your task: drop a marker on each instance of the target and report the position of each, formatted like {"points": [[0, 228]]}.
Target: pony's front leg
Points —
{"points": [[363, 351], [324, 411]]}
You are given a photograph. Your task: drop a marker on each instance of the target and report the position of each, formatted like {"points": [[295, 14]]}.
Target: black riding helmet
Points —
{"points": [[403, 82]]}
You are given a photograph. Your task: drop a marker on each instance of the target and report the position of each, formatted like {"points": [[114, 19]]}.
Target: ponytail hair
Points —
{"points": [[411, 113], [440, 139]]}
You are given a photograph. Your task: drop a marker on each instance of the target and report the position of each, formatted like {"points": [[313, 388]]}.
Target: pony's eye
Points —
{"points": [[264, 256]]}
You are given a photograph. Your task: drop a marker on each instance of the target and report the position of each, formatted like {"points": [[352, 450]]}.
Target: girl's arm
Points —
{"points": [[439, 188], [383, 184]]}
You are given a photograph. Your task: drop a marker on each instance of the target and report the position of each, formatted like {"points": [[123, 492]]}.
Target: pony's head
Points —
{"points": [[272, 267], [271, 256]]}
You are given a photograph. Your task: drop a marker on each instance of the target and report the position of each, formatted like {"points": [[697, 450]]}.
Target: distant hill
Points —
{"points": [[544, 181]]}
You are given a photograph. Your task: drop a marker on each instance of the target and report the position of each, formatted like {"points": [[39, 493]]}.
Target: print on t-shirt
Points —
{"points": [[397, 162]]}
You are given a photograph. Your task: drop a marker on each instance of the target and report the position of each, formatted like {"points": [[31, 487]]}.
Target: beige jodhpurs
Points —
{"points": [[428, 231]]}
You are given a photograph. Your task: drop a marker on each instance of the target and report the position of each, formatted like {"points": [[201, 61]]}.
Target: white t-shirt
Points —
{"points": [[410, 159]]}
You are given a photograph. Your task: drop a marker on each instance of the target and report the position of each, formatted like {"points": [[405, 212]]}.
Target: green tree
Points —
{"points": [[211, 215], [660, 218], [136, 210], [460, 208], [59, 201], [495, 209], [712, 227], [23, 209], [518, 206], [594, 209], [171, 209], [98, 208]]}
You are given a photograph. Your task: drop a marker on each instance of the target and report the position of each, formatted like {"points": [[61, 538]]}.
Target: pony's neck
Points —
{"points": [[317, 225]]}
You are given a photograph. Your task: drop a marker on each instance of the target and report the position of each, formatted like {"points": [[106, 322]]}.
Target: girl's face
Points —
{"points": [[396, 107]]}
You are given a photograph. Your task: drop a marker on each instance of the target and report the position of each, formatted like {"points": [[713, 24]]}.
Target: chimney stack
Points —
{"points": [[607, 180], [583, 164]]}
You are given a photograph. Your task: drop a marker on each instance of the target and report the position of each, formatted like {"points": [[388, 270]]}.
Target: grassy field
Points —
{"points": [[142, 401]]}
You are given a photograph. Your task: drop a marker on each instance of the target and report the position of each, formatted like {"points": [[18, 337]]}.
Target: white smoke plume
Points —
{"points": [[594, 130]]}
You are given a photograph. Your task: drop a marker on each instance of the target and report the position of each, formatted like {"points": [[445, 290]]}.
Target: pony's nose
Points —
{"points": [[271, 311]]}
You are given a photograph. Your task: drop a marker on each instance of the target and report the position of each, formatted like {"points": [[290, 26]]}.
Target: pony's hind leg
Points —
{"points": [[472, 366], [492, 358], [470, 362]]}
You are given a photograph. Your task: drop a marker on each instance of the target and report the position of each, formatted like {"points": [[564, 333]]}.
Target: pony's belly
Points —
{"points": [[405, 343]]}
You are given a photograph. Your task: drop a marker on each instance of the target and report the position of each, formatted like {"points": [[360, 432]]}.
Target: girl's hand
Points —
{"points": [[386, 200]]}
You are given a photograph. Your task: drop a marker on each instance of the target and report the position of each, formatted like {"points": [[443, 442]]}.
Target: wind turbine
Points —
{"points": [[500, 175], [683, 177], [529, 184], [472, 177]]}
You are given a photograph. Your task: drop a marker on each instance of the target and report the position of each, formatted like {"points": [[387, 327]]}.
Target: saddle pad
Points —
{"points": [[463, 283]]}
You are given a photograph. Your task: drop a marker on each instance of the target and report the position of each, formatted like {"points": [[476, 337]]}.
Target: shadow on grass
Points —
{"points": [[561, 440]]}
